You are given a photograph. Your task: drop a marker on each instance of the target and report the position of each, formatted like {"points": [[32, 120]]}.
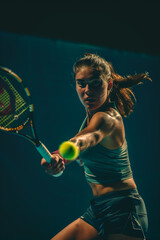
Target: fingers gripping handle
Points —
{"points": [[46, 155]]}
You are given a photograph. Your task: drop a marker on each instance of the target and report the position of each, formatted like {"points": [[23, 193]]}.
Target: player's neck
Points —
{"points": [[102, 108]]}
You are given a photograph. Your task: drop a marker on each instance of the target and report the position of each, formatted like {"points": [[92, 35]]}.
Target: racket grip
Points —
{"points": [[46, 155]]}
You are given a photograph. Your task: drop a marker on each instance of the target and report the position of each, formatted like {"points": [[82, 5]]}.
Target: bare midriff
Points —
{"points": [[99, 189]]}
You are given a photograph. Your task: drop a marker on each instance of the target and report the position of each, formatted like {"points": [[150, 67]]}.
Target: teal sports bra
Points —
{"points": [[102, 165]]}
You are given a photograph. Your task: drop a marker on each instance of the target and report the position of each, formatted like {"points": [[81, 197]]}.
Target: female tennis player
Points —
{"points": [[117, 211]]}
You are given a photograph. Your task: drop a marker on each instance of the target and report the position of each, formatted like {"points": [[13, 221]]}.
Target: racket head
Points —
{"points": [[15, 102]]}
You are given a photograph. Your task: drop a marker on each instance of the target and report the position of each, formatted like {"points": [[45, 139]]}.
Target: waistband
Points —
{"points": [[115, 194]]}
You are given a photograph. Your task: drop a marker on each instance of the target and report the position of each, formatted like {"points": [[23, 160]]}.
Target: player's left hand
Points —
{"points": [[56, 165]]}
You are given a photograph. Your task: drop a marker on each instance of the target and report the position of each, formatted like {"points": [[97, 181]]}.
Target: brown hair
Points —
{"points": [[121, 92]]}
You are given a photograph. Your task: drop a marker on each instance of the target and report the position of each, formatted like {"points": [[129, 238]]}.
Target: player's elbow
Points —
{"points": [[98, 136]]}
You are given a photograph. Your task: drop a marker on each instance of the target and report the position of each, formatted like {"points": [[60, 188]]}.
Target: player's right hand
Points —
{"points": [[56, 166]]}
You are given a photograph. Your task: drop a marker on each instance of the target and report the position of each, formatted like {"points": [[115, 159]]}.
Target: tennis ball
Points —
{"points": [[69, 150]]}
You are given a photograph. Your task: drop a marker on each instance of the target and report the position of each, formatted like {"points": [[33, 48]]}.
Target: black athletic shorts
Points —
{"points": [[120, 212]]}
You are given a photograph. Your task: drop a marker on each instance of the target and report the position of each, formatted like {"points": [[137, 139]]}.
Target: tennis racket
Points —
{"points": [[17, 111]]}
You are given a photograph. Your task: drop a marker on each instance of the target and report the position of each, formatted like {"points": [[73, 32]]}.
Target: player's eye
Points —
{"points": [[93, 83], [81, 83], [96, 83]]}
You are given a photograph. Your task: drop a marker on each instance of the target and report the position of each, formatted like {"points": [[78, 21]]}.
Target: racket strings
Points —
{"points": [[12, 106], [5, 106]]}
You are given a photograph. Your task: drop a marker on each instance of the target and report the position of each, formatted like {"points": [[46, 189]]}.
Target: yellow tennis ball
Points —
{"points": [[69, 150]]}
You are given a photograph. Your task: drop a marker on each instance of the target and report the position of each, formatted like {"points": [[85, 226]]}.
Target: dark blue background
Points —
{"points": [[34, 205]]}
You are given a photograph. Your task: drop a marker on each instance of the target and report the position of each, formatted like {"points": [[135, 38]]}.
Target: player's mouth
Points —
{"points": [[89, 100]]}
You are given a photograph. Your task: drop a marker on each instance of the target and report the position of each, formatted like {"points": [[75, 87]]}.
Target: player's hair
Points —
{"points": [[121, 92]]}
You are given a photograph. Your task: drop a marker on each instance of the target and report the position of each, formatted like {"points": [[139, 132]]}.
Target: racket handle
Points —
{"points": [[46, 155]]}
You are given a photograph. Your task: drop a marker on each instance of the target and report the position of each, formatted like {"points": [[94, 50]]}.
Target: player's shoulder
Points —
{"points": [[101, 119], [109, 119], [110, 114]]}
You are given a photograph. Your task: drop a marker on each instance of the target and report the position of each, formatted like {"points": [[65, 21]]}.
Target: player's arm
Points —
{"points": [[100, 126]]}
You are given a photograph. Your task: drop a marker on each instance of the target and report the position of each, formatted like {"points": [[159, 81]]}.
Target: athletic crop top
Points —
{"points": [[102, 165]]}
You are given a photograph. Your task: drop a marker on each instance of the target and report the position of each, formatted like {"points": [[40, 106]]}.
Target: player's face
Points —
{"points": [[92, 91]]}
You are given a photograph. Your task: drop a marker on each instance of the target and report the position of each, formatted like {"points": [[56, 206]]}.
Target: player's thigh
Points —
{"points": [[77, 230], [121, 237]]}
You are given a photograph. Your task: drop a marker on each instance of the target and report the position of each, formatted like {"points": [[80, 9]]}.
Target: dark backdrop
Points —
{"points": [[34, 205], [122, 25]]}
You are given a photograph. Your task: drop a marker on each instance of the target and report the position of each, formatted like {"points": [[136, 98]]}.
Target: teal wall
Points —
{"points": [[34, 205]]}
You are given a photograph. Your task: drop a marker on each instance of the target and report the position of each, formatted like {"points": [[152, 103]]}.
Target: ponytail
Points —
{"points": [[121, 92]]}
